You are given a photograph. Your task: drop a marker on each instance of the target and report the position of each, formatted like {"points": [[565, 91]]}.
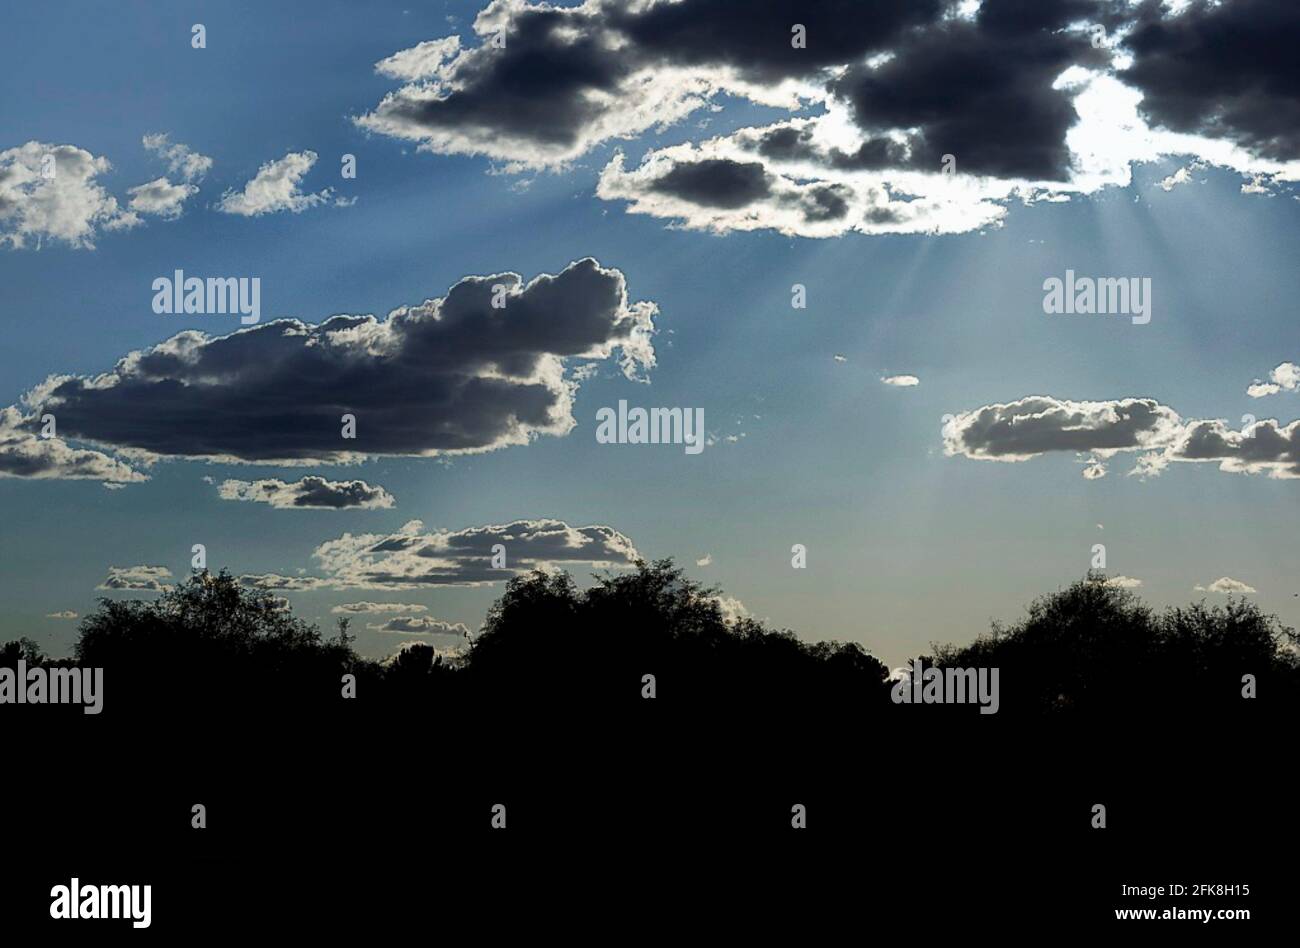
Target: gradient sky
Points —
{"points": [[906, 544]]}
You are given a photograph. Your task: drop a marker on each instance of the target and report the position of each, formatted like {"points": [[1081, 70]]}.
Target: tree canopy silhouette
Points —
{"points": [[1094, 648], [546, 645]]}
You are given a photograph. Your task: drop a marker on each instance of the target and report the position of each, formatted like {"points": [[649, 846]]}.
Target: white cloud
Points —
{"points": [[1181, 176], [160, 198], [732, 608], [1286, 377], [705, 560], [901, 381], [1226, 586], [275, 188], [1123, 582], [50, 192], [426, 60], [181, 159]]}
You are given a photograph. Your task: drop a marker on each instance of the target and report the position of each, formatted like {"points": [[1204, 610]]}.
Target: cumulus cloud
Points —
{"points": [[1123, 582], [163, 197], [1181, 176], [50, 193], [181, 159], [1015, 94], [149, 578], [24, 453], [901, 381], [310, 493], [412, 558], [1226, 586], [421, 625], [160, 198], [364, 607], [732, 608], [275, 188], [451, 375], [1193, 82], [705, 560], [66, 614], [1031, 426], [1284, 378], [1040, 424]]}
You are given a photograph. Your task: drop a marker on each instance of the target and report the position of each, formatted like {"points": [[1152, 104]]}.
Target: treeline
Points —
{"points": [[210, 645]]}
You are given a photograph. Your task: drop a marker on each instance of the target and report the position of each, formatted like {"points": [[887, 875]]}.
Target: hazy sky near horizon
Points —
{"points": [[709, 168]]}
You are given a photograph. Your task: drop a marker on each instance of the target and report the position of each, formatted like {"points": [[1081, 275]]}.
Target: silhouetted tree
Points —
{"points": [[23, 649], [1095, 649], [1090, 649]]}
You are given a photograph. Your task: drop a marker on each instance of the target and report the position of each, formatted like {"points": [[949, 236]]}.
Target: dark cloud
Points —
{"points": [[421, 625], [904, 83], [538, 87], [825, 202], [1222, 70], [1265, 447], [1040, 423], [310, 493], [794, 143], [24, 453], [755, 39], [566, 78], [980, 90], [716, 182], [452, 374]]}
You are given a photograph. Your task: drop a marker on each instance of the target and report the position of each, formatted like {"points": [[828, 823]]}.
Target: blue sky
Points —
{"points": [[907, 544]]}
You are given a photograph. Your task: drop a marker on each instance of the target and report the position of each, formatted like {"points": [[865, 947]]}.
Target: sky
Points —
{"points": [[653, 187]]}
